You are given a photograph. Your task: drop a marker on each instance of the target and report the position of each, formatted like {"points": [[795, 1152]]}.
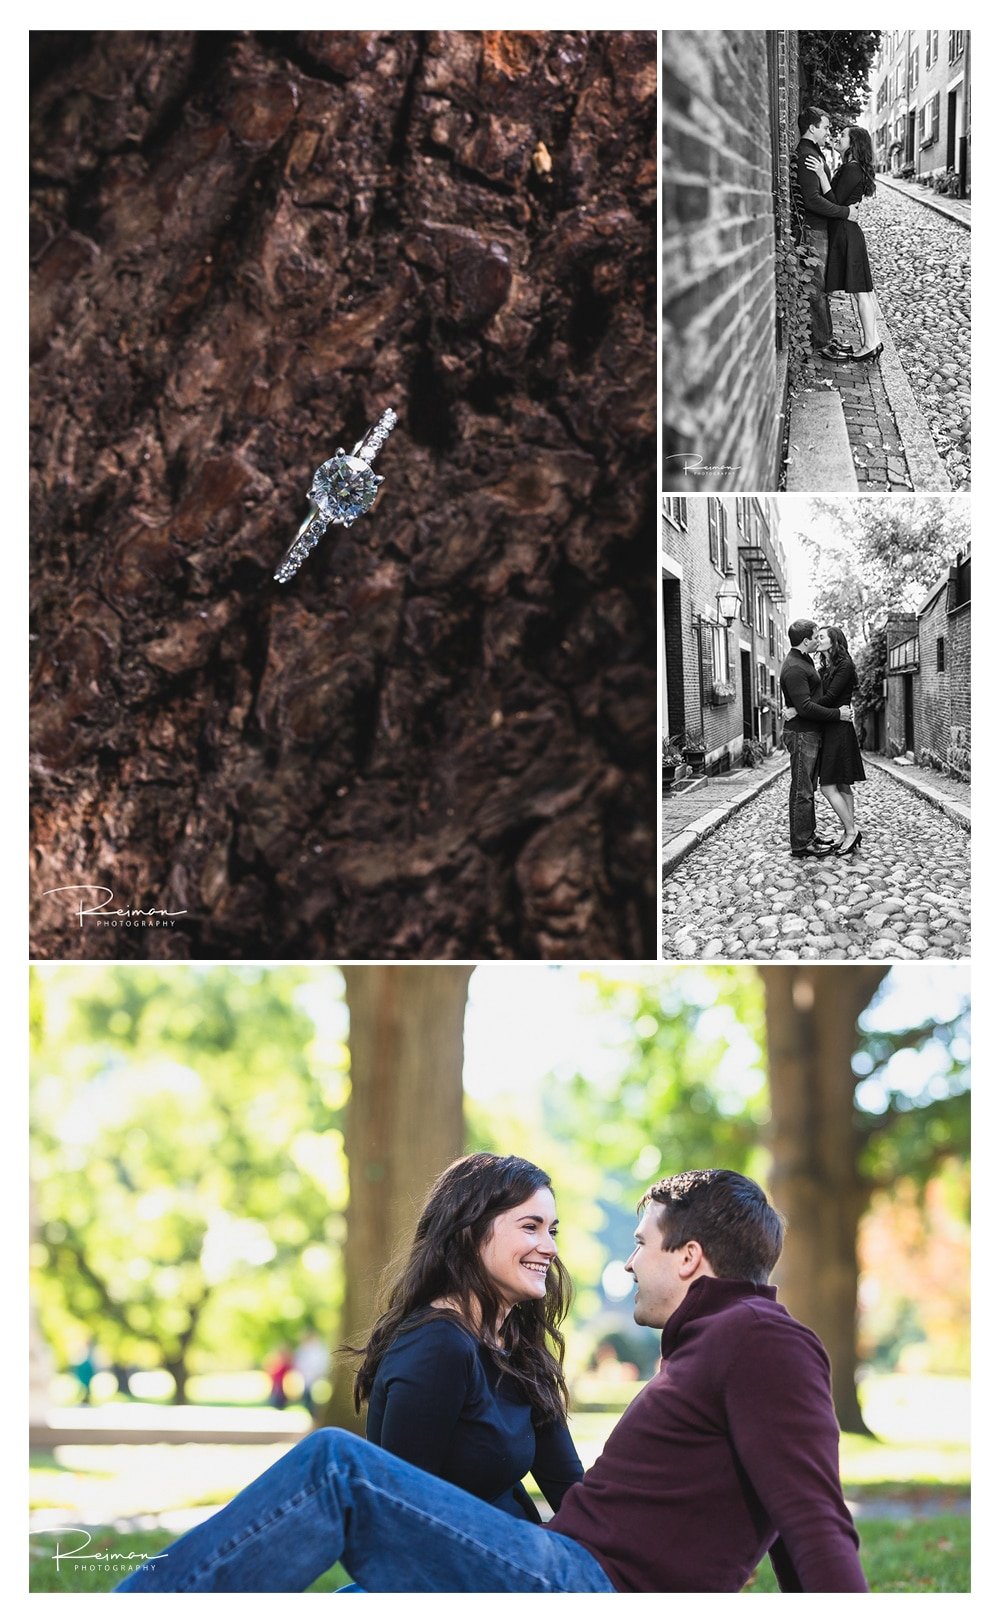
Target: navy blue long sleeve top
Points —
{"points": [[440, 1401]]}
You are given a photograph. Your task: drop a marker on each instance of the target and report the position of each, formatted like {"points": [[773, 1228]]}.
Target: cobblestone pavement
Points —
{"points": [[920, 266], [879, 459], [960, 208], [905, 893]]}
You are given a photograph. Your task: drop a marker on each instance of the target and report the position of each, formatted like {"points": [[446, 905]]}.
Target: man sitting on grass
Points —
{"points": [[727, 1454]]}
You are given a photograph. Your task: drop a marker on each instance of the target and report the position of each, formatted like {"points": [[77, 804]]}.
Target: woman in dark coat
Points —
{"points": [[840, 762], [847, 267]]}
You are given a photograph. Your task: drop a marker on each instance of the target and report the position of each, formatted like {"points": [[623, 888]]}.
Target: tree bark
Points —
{"points": [[438, 740], [404, 1125], [812, 1013]]}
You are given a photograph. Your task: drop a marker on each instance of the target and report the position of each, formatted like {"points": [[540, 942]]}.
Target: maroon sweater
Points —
{"points": [[730, 1447]]}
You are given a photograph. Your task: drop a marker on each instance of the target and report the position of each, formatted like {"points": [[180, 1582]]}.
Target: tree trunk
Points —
{"points": [[404, 1125], [438, 740], [812, 1015]]}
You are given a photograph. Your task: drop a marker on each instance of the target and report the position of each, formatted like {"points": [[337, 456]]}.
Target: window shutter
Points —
{"points": [[713, 529]]}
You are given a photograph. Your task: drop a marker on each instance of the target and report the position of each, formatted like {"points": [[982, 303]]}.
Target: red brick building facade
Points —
{"points": [[719, 677], [730, 101]]}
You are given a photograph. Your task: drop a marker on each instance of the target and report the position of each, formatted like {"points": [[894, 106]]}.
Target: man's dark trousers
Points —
{"points": [[820, 318], [803, 749]]}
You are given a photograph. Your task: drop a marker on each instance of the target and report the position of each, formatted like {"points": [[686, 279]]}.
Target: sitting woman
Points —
{"points": [[463, 1377], [463, 1371]]}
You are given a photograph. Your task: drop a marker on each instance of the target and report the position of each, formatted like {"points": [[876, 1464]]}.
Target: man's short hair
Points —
{"points": [[730, 1216], [799, 630], [810, 117]]}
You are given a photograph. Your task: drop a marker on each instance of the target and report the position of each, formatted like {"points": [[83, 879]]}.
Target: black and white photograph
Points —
{"points": [[817, 748], [816, 260]]}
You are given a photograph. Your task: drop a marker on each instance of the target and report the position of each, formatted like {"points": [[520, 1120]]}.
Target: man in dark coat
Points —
{"points": [[817, 211]]}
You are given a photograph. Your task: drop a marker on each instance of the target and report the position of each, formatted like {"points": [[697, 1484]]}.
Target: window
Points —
{"points": [[770, 637], [720, 653], [774, 691], [904, 654], [760, 612], [714, 509], [930, 120], [931, 54], [761, 677], [746, 598], [723, 540], [675, 511], [956, 44], [940, 653], [914, 68]]}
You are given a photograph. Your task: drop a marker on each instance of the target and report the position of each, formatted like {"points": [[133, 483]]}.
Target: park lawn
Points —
{"points": [[900, 1557], [914, 1557]]}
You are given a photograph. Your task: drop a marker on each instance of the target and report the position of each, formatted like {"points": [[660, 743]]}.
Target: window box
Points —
{"points": [[721, 693]]}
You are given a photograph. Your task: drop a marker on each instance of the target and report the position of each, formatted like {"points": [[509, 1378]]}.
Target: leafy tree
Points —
{"points": [[189, 1162], [834, 67], [886, 558]]}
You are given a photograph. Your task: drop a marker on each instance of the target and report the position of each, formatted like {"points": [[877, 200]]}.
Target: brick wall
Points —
{"points": [[959, 759], [721, 377], [932, 689]]}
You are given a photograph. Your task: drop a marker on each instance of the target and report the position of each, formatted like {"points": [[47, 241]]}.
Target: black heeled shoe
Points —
{"points": [[852, 844], [869, 354]]}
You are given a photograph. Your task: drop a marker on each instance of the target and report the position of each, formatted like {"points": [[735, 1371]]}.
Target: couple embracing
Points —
{"points": [[820, 737], [831, 209], [727, 1454]]}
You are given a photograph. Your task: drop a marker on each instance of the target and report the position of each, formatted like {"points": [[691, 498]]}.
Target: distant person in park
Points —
{"points": [[840, 761], [277, 1367], [847, 267], [806, 716], [727, 1454], [818, 212]]}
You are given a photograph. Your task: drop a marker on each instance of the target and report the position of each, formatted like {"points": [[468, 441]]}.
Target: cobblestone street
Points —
{"points": [[904, 893], [920, 267]]}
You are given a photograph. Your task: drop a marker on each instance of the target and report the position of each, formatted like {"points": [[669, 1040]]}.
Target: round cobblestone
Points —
{"points": [[904, 893], [921, 270]]}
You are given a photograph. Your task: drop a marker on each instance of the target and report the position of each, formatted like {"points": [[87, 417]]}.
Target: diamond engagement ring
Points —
{"points": [[342, 489]]}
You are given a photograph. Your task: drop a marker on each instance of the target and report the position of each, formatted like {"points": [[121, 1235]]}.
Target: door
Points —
{"points": [[908, 714], [952, 121], [747, 681], [673, 654]]}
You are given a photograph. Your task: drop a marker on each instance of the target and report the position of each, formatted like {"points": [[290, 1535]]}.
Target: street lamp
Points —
{"points": [[729, 599]]}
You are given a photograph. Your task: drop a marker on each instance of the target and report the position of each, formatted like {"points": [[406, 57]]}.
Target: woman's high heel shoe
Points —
{"points": [[852, 844], [870, 354]]}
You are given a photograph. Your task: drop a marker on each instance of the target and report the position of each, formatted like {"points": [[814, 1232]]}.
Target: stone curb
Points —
{"points": [[819, 446], [933, 201], [954, 810], [698, 831], [926, 470]]}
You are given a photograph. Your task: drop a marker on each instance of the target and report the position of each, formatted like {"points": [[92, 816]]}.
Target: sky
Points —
{"points": [[795, 514]]}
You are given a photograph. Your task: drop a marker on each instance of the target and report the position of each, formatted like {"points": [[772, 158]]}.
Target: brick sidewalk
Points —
{"points": [[683, 807], [936, 785], [876, 446]]}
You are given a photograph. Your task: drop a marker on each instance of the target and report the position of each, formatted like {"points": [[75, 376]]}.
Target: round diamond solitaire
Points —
{"points": [[342, 489]]}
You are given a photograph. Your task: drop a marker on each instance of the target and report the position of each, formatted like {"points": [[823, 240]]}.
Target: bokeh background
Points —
{"points": [[225, 1158]]}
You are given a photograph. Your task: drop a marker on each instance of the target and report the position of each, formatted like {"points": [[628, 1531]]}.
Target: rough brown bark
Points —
{"points": [[812, 1014], [438, 740], [404, 1125]]}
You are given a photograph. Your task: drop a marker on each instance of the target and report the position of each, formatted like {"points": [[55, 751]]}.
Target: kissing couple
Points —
{"points": [[820, 738], [831, 209]]}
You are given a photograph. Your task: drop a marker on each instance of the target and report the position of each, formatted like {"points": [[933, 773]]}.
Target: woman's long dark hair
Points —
{"points": [[860, 152], [839, 651], [444, 1261]]}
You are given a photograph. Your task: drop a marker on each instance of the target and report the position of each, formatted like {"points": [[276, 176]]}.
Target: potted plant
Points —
{"points": [[693, 749], [722, 693], [672, 760]]}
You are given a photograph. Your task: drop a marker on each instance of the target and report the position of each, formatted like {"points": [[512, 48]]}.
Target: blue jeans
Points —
{"points": [[397, 1529], [820, 319], [803, 750]]}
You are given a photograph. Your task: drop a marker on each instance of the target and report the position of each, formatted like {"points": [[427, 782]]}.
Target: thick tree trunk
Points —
{"points": [[812, 1015], [404, 1125], [439, 739]]}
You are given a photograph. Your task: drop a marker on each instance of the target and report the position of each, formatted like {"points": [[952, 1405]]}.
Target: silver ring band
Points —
{"points": [[342, 489]]}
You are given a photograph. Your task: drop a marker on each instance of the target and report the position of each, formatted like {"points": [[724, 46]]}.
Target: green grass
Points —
{"points": [[911, 1557], [110, 1565]]}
